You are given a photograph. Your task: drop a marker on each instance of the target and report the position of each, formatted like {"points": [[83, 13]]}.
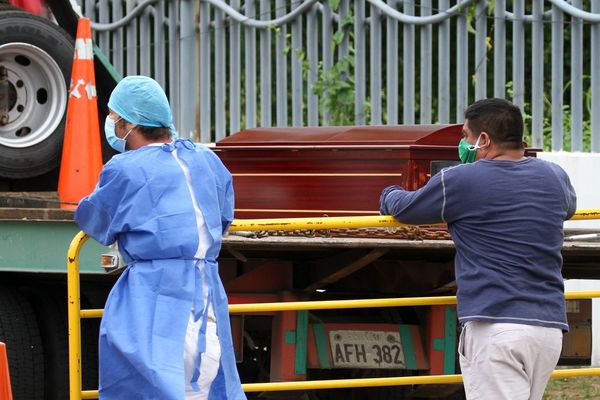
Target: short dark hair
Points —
{"points": [[500, 118], [154, 133], [150, 132]]}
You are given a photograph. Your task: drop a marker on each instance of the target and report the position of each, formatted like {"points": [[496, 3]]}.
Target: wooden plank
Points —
{"points": [[29, 200], [36, 214], [298, 242], [344, 271]]}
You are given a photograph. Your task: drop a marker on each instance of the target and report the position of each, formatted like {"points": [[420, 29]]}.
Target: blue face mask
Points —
{"points": [[109, 131]]}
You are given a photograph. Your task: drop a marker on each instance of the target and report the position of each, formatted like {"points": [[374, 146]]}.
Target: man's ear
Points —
{"points": [[485, 141]]}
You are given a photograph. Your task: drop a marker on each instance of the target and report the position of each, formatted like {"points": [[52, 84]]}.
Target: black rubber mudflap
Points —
{"points": [[19, 330]]}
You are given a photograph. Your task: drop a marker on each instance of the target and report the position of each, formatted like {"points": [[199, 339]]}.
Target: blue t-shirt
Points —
{"points": [[506, 220]]}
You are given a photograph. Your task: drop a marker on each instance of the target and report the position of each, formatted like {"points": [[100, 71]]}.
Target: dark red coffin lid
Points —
{"points": [[437, 135]]}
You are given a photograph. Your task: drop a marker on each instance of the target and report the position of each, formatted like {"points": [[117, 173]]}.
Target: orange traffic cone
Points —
{"points": [[5, 390], [82, 155]]}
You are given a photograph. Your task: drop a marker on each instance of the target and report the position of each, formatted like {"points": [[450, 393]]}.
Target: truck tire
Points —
{"points": [[37, 56], [20, 332], [90, 331], [5, 5], [50, 308]]}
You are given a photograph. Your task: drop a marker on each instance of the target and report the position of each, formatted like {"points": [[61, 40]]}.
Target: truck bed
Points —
{"points": [[37, 213]]}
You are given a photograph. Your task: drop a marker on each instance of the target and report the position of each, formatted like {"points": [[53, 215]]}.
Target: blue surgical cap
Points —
{"points": [[141, 101]]}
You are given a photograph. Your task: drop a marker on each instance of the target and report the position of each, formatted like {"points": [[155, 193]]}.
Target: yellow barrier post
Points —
{"points": [[74, 307]]}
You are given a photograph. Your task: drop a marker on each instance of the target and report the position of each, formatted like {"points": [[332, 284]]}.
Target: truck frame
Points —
{"points": [[258, 268]]}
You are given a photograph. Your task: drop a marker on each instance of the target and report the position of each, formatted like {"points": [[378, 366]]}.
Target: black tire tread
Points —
{"points": [[50, 307], [6, 6], [19, 330]]}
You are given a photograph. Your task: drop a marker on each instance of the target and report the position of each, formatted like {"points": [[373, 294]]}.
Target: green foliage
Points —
{"points": [[335, 89], [334, 4], [566, 120], [335, 86], [491, 5], [573, 388], [288, 47], [471, 17]]}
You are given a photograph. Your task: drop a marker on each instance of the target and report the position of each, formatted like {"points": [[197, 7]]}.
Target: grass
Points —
{"points": [[573, 388]]}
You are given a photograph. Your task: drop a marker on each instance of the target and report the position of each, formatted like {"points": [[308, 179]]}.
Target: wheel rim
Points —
{"points": [[37, 95]]}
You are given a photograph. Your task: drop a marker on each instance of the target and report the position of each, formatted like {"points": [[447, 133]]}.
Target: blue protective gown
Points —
{"points": [[143, 201]]}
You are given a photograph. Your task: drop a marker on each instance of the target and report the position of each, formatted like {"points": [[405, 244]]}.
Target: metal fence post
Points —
{"points": [[444, 67], [576, 81], [481, 51], [131, 42], [408, 84], [297, 81], [359, 67], [312, 54], [519, 54], [250, 66], [426, 67], [537, 75], [235, 113], [327, 28], [375, 66], [174, 61], [220, 71], [557, 78], [391, 81], [499, 49], [265, 67], [595, 67], [462, 69], [187, 70]]}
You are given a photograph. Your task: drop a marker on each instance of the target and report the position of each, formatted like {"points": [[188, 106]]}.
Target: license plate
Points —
{"points": [[366, 349]]}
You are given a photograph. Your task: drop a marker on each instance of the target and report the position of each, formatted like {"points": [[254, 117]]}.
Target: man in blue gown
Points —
{"points": [[165, 333]]}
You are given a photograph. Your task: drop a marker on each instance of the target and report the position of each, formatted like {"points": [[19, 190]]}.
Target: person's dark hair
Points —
{"points": [[154, 133], [150, 132], [500, 118]]}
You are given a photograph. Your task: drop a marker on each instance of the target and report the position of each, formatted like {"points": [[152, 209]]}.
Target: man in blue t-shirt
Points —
{"points": [[505, 213]]}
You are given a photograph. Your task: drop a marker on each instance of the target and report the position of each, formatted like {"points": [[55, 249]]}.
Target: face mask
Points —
{"points": [[109, 131], [466, 151]]}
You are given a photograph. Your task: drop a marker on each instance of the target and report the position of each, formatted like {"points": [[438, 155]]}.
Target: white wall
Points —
{"points": [[584, 171]]}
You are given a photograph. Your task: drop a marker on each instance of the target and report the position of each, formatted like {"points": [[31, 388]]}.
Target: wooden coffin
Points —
{"points": [[331, 171]]}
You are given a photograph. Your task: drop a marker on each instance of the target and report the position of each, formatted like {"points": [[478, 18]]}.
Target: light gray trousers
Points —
{"points": [[503, 361]]}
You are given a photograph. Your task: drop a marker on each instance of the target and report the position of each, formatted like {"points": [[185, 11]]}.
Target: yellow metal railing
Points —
{"points": [[75, 313], [279, 224]]}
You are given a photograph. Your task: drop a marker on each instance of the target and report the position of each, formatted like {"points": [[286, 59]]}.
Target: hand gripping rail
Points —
{"points": [[76, 313]]}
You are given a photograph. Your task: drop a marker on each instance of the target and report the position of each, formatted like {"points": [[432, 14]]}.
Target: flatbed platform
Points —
{"points": [[581, 258]]}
